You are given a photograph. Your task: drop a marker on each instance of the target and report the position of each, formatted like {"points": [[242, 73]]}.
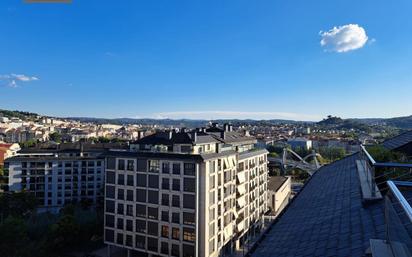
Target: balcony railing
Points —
{"points": [[378, 173]]}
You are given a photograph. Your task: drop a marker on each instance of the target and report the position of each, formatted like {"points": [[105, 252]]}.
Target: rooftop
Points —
{"points": [[326, 218]]}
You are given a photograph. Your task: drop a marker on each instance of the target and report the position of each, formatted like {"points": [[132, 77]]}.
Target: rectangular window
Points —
{"points": [[130, 180], [164, 248], [119, 238], [188, 250], [120, 194], [176, 168], [109, 221], [189, 184], [109, 235], [120, 208], [189, 234], [165, 231], [189, 201], [129, 210], [140, 210], [153, 197], [175, 250], [176, 184], [120, 179], [152, 228], [130, 165], [189, 169], [129, 240], [141, 180], [141, 195], [166, 167], [130, 195], [111, 163], [165, 199], [152, 244], [119, 223], [129, 225], [176, 201], [120, 164], [152, 213], [176, 217], [140, 241], [154, 181], [188, 218], [110, 177], [110, 192], [110, 206], [165, 216], [176, 233], [141, 226], [154, 166], [165, 184]]}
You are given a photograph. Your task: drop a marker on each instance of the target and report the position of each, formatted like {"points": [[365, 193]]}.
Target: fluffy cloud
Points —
{"points": [[344, 38], [12, 79], [235, 115]]}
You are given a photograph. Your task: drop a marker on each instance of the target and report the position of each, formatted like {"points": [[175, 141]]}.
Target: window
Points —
{"points": [[211, 246], [120, 164], [188, 250], [165, 199], [175, 233], [165, 183], [109, 235], [166, 167], [164, 248], [120, 194], [188, 218], [140, 226], [129, 210], [111, 163], [119, 223], [110, 177], [211, 182], [152, 213], [130, 180], [152, 228], [129, 240], [129, 225], [153, 197], [189, 201], [175, 201], [189, 184], [165, 216], [176, 184], [175, 250], [140, 210], [152, 244], [189, 234], [176, 217], [141, 195], [109, 221], [119, 238], [120, 179], [154, 166], [176, 168], [141, 180], [140, 241], [130, 165], [165, 231], [120, 208], [110, 192], [110, 206], [154, 181], [130, 195], [189, 169]]}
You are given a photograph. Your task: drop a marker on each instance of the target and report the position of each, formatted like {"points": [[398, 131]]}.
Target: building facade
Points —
{"points": [[197, 193]]}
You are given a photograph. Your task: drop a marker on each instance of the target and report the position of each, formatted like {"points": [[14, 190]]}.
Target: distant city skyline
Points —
{"points": [[210, 60]]}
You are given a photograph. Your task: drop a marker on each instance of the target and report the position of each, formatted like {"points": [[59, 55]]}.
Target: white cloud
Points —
{"points": [[12, 79], [344, 38], [235, 115]]}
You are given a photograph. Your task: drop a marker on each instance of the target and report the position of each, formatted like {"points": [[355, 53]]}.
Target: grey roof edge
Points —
{"points": [[390, 140], [252, 153]]}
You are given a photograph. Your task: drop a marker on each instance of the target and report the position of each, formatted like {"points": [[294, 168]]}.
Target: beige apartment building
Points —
{"points": [[188, 193]]}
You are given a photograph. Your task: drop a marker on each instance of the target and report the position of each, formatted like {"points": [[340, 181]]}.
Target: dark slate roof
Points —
{"points": [[164, 138], [398, 141], [275, 182], [326, 218]]}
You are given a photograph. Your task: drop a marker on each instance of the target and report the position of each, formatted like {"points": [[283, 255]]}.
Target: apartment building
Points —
{"points": [[58, 176], [188, 193]]}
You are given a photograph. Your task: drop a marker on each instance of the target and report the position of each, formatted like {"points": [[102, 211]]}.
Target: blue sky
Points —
{"points": [[207, 59]]}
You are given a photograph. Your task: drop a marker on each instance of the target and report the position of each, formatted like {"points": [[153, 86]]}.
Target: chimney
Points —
{"points": [[222, 134], [194, 136], [227, 127]]}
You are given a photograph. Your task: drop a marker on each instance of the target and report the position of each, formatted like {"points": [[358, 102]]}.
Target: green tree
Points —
{"points": [[15, 240], [56, 137]]}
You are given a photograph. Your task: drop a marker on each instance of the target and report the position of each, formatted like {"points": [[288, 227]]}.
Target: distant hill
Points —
{"points": [[18, 114], [332, 122]]}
